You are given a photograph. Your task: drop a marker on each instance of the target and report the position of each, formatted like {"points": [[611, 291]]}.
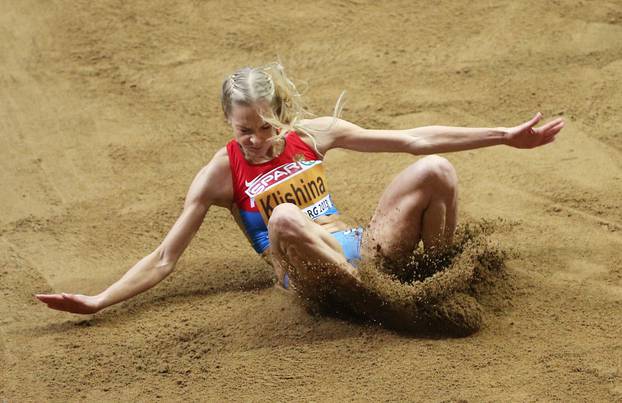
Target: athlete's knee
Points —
{"points": [[438, 172], [286, 221]]}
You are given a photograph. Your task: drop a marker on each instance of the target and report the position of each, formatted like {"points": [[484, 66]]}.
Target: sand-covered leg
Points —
{"points": [[419, 205], [308, 253]]}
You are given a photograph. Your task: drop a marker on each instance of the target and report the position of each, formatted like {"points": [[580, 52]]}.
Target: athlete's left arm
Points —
{"points": [[436, 139]]}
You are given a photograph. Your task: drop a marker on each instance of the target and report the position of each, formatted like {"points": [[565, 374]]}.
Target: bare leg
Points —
{"points": [[420, 204], [308, 253]]}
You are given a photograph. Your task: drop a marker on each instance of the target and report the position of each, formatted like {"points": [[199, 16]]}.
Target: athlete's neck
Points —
{"points": [[277, 147]]}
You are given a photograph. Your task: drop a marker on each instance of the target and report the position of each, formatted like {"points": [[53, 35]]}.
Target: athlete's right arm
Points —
{"points": [[210, 186]]}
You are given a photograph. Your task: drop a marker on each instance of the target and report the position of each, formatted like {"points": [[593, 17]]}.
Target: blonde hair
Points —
{"points": [[269, 83]]}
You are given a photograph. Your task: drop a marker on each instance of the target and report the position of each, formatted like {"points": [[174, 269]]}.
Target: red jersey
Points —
{"points": [[294, 176]]}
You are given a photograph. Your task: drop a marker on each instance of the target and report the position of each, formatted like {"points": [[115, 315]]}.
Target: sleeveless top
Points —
{"points": [[295, 176]]}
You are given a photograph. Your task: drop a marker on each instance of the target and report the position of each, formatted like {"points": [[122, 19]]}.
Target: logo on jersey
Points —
{"points": [[275, 176]]}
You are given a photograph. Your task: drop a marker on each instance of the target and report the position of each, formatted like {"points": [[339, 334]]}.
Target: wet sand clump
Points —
{"points": [[427, 295]]}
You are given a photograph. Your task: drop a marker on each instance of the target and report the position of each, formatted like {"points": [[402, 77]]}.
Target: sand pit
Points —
{"points": [[109, 109]]}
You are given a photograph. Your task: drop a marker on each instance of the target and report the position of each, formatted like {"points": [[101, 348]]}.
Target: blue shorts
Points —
{"points": [[350, 241]]}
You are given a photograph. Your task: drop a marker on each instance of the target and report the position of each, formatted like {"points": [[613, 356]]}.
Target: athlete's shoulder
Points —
{"points": [[327, 130], [221, 156], [214, 180], [218, 165], [328, 124]]}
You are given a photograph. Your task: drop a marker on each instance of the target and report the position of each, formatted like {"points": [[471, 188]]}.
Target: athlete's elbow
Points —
{"points": [[165, 261], [417, 147]]}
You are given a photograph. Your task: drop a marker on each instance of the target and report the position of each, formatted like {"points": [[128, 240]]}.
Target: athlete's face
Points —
{"points": [[252, 133]]}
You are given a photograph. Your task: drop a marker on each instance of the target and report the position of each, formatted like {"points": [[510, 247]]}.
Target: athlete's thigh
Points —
{"points": [[295, 233], [395, 227], [311, 257]]}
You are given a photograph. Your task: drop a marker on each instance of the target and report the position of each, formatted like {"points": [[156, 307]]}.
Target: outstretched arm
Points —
{"points": [[435, 139], [153, 268]]}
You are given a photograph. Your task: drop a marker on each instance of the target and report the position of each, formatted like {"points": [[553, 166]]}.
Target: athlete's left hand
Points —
{"points": [[527, 136]]}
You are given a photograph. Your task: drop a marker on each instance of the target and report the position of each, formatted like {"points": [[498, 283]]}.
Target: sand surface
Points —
{"points": [[109, 108]]}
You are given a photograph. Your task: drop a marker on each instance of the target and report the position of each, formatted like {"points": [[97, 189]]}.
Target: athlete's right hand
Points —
{"points": [[74, 303]]}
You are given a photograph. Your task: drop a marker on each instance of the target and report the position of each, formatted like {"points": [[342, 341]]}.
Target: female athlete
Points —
{"points": [[271, 178]]}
